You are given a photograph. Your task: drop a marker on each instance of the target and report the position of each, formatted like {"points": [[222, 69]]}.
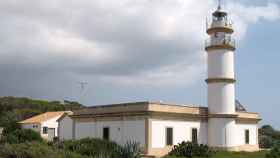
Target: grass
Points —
{"points": [[224, 154]]}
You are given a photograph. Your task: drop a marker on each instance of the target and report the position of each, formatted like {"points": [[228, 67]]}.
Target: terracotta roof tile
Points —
{"points": [[43, 117]]}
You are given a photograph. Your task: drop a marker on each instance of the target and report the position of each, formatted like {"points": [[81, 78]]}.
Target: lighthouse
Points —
{"points": [[220, 47]]}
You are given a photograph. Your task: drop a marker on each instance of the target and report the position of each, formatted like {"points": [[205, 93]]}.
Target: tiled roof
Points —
{"points": [[43, 117]]}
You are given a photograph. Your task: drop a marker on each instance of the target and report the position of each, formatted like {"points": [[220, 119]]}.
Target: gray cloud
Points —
{"points": [[46, 47]]}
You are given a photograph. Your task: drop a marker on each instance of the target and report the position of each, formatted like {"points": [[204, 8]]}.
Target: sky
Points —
{"points": [[135, 50]]}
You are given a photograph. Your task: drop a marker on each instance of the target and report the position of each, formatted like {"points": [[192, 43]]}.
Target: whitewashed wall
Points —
{"points": [[32, 126], [65, 128], [120, 131], [240, 133], [51, 123], [221, 98], [222, 132], [221, 64], [181, 132], [84, 129], [231, 134]]}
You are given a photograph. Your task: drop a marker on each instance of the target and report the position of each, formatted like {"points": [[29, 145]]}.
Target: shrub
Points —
{"points": [[130, 150], [34, 150], [242, 154], [190, 150], [91, 147], [265, 141], [21, 136], [268, 136], [98, 148], [274, 153]]}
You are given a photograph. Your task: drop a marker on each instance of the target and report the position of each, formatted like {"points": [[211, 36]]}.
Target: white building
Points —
{"points": [[157, 126], [46, 124]]}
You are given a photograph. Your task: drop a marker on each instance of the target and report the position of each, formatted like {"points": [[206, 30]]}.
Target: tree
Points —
{"points": [[268, 136], [17, 109], [8, 121], [274, 153]]}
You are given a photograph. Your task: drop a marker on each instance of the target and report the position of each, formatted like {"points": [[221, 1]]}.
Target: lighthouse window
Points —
{"points": [[216, 34], [247, 136], [169, 136], [194, 135]]}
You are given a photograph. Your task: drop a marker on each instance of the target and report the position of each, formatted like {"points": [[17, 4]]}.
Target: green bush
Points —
{"points": [[91, 147], [228, 154], [268, 136], [130, 150], [23, 108], [274, 153], [20, 136], [265, 142], [34, 150], [8, 120], [98, 148], [190, 150]]}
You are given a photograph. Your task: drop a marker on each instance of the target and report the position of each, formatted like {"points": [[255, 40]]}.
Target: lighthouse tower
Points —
{"points": [[220, 48]]}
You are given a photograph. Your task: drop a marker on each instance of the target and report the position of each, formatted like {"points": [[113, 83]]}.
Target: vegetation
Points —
{"points": [[89, 147], [274, 153], [190, 150], [268, 136], [97, 148], [26, 143], [20, 136], [130, 150], [225, 154], [86, 148], [22, 143], [23, 108], [34, 150], [9, 122], [14, 109]]}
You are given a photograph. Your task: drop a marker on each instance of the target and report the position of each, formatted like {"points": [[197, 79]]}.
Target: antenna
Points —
{"points": [[219, 4], [82, 84]]}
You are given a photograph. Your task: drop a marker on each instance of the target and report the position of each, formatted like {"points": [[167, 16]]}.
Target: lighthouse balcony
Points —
{"points": [[225, 43], [219, 25]]}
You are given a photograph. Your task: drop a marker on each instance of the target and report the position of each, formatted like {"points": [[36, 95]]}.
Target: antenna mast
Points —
{"points": [[83, 84], [219, 4]]}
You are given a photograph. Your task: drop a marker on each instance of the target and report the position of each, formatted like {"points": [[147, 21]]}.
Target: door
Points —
{"points": [[51, 134]]}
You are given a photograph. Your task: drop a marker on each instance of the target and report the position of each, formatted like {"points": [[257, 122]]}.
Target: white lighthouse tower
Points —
{"points": [[220, 48]]}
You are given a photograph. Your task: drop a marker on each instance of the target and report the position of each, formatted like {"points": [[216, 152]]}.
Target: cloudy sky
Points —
{"points": [[135, 50]]}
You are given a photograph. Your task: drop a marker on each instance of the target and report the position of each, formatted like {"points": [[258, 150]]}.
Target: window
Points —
{"points": [[194, 135], [45, 130], [247, 136], [106, 133], [216, 34], [169, 136]]}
